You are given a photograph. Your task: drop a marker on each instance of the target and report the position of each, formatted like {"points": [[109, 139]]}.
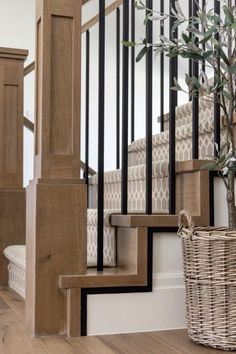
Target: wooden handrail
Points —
{"points": [[30, 125], [91, 171], [28, 69], [95, 19]]}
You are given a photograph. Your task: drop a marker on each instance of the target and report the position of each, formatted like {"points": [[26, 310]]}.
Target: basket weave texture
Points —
{"points": [[209, 256]]}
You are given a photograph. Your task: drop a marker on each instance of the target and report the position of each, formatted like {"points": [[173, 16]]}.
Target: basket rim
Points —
{"points": [[208, 233]]}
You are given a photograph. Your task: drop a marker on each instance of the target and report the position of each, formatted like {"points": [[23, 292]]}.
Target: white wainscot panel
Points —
{"points": [[162, 309]]}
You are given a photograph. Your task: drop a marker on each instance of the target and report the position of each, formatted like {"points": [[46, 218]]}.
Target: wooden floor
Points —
{"points": [[15, 340]]}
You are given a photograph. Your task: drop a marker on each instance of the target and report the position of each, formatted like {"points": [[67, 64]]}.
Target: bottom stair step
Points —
{"points": [[16, 254], [109, 277]]}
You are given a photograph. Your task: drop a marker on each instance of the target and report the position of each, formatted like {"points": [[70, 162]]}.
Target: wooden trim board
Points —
{"points": [[155, 220], [29, 68], [30, 126], [13, 53], [190, 165], [105, 279], [94, 20], [126, 275]]}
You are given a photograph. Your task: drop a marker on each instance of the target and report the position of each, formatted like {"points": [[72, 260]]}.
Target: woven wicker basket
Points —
{"points": [[209, 256]]}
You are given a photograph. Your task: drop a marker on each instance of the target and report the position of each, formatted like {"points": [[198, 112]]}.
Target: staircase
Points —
{"points": [[126, 205], [136, 191]]}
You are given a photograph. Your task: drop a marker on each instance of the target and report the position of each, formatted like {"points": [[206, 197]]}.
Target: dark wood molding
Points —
{"points": [[29, 68], [28, 124]]}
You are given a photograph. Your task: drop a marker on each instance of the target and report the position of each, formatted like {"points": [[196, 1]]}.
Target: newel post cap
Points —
{"points": [[13, 53]]}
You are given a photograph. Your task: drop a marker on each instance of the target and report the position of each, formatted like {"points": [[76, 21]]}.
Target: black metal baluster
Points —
{"points": [[216, 104], [87, 84], [101, 113], [162, 63], [118, 88], [149, 109], [195, 100], [133, 71], [173, 72], [190, 14], [204, 46], [125, 111]]}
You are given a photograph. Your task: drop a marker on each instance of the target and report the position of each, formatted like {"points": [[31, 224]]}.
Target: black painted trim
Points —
{"points": [[149, 286], [212, 176], [101, 136], [211, 198], [149, 110], [125, 111], [126, 289], [84, 310]]}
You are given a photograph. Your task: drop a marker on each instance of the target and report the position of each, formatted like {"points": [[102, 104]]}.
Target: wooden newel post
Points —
{"points": [[56, 198], [12, 194]]}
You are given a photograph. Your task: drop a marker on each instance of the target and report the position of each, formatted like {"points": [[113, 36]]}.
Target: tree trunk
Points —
{"points": [[231, 202]]}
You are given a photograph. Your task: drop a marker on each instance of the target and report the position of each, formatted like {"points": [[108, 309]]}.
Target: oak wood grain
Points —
{"points": [[56, 198], [30, 126], [155, 220], [73, 312], [108, 278], [58, 73], [13, 53], [12, 224], [93, 21], [132, 271], [14, 338], [11, 113], [29, 68], [12, 194], [55, 244]]}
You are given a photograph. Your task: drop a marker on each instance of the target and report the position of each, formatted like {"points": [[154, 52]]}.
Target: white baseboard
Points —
{"points": [[168, 281], [162, 309]]}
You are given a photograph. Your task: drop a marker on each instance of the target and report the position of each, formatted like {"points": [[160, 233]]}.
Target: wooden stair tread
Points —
{"points": [[108, 278], [155, 220], [190, 165]]}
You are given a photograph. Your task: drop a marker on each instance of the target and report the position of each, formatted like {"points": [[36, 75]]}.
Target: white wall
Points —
{"points": [[164, 308], [17, 25]]}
